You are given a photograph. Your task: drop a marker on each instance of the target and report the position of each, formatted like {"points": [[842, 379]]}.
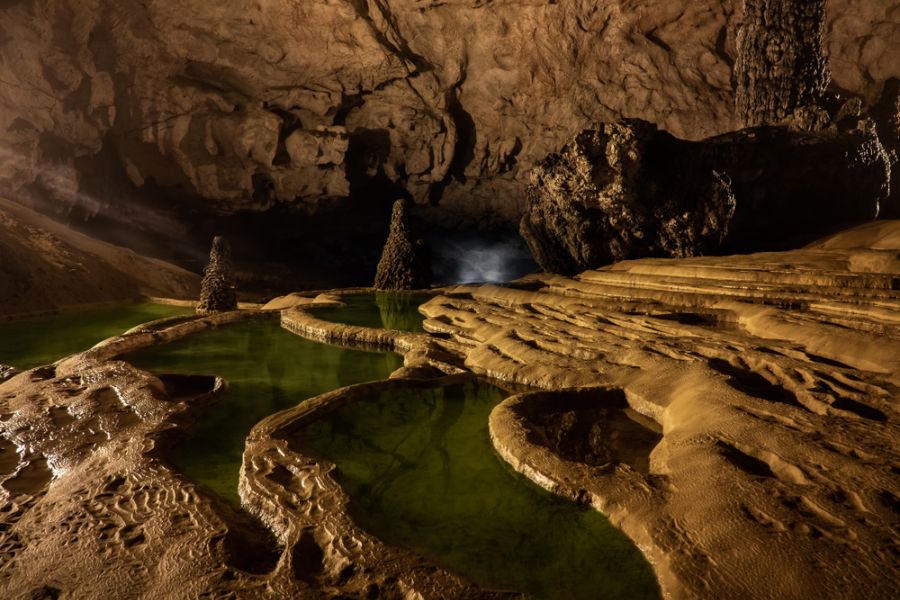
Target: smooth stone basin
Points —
{"points": [[385, 310], [421, 473], [36, 341], [268, 370]]}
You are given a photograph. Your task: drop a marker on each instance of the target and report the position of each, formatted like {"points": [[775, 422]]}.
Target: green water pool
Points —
{"points": [[36, 341], [388, 310], [268, 370], [421, 473]]}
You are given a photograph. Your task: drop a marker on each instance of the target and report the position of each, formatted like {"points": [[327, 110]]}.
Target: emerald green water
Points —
{"points": [[36, 341], [388, 310], [421, 473], [268, 370]]}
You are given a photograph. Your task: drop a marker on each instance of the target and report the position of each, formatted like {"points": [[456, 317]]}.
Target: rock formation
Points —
{"points": [[7, 372], [405, 262], [627, 190], [47, 265], [217, 290], [772, 379], [240, 106], [887, 119], [781, 62]]}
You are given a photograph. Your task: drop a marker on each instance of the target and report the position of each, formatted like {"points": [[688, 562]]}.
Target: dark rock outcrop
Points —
{"points": [[217, 290], [7, 372], [404, 263], [781, 64], [627, 190], [887, 118]]}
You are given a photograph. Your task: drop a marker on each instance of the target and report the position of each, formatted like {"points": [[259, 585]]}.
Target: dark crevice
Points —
{"points": [[656, 40], [249, 546], [858, 408], [722, 48], [753, 384], [307, 557], [743, 461], [348, 103]]}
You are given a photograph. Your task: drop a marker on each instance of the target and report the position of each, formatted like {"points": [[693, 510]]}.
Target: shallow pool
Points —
{"points": [[388, 310], [268, 370], [421, 473], [36, 341]]}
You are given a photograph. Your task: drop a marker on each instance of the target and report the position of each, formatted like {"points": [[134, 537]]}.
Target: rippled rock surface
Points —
{"points": [[773, 379]]}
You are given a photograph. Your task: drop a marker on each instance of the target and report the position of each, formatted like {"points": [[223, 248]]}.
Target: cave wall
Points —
{"points": [[251, 104]]}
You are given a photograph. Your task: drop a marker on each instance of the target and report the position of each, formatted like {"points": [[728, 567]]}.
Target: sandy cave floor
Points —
{"points": [[771, 382]]}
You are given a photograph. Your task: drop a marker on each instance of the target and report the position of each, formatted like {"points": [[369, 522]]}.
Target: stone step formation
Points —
{"points": [[217, 290]]}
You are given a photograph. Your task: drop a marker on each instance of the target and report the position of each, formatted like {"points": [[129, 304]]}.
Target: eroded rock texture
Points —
{"points": [[627, 190], [217, 290], [252, 105], [404, 263], [773, 379], [781, 62]]}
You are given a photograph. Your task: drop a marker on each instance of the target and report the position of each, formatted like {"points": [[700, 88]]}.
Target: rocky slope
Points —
{"points": [[47, 266], [248, 104]]}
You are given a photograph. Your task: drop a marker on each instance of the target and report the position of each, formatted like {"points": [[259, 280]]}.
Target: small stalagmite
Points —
{"points": [[404, 263], [217, 290]]}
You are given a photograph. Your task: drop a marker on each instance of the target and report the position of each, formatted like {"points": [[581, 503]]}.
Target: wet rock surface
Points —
{"points": [[594, 427], [6, 372], [773, 378], [627, 190]]}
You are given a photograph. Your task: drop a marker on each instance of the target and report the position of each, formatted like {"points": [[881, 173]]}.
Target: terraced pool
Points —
{"points": [[421, 473], [268, 370], [387, 310]]}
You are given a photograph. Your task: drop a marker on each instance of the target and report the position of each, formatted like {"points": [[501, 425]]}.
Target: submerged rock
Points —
{"points": [[404, 263], [7, 372], [627, 190], [217, 290]]}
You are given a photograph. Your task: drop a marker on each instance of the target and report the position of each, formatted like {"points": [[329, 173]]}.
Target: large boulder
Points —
{"points": [[627, 190]]}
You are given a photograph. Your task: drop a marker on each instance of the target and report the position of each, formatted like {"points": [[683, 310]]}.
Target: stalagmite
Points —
{"points": [[217, 290]]}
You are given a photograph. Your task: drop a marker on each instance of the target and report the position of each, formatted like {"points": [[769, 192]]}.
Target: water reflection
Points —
{"points": [[421, 472], [268, 370]]}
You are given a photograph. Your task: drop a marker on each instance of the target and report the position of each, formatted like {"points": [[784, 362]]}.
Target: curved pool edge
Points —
{"points": [[621, 495], [298, 499], [423, 354]]}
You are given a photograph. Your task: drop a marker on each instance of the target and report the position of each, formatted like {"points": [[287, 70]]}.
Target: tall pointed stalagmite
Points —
{"points": [[404, 263], [781, 64], [217, 290]]}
